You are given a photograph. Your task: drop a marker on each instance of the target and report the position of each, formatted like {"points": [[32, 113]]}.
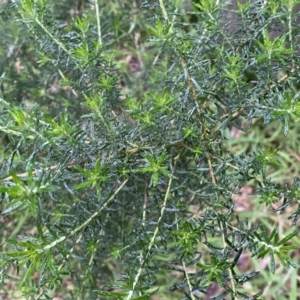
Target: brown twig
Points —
{"points": [[24, 175], [129, 151]]}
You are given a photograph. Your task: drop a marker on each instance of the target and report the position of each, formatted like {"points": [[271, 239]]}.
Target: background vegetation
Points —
{"points": [[149, 149]]}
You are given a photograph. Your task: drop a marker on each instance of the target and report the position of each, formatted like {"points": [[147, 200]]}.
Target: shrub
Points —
{"points": [[118, 178]]}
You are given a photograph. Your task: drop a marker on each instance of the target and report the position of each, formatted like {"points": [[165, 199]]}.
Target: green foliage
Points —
{"points": [[119, 169]]}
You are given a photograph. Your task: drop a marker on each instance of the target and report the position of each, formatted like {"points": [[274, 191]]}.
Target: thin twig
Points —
{"points": [[98, 22], [162, 212], [188, 281], [89, 220]]}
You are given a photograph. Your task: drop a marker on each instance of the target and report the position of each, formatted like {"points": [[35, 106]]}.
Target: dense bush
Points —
{"points": [[119, 173]]}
